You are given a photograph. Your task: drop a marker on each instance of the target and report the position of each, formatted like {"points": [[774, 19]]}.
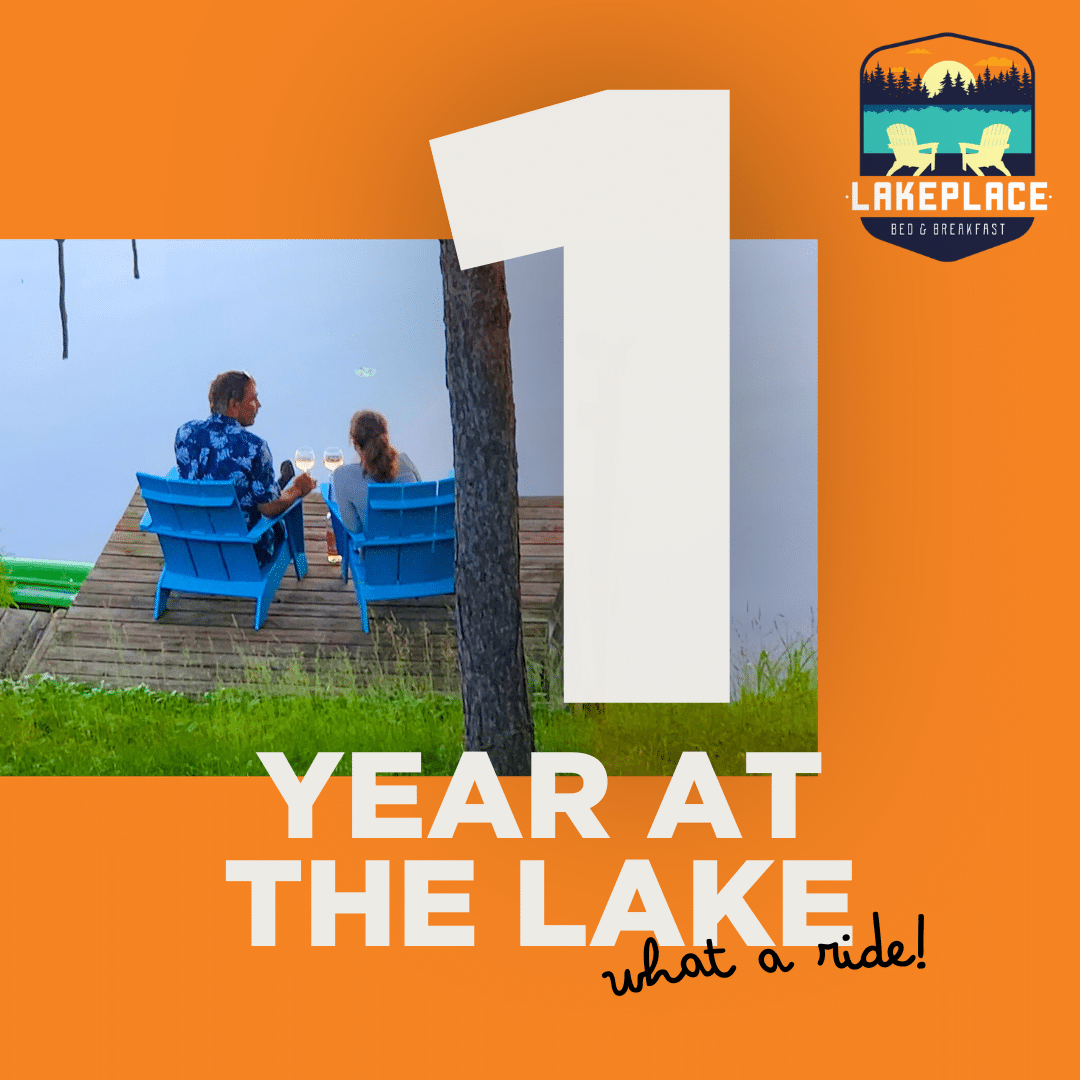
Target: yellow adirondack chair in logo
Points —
{"points": [[995, 141], [909, 151]]}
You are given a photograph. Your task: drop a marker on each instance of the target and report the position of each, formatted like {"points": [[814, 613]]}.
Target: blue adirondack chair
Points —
{"points": [[207, 545], [407, 546]]}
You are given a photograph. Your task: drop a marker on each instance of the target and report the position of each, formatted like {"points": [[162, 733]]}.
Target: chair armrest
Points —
{"points": [[268, 522], [218, 538], [263, 526], [255, 533]]}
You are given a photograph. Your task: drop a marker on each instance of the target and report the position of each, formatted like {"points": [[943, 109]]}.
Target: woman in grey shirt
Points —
{"points": [[379, 463]]}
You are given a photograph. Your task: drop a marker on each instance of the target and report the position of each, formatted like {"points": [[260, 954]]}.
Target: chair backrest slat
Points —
{"points": [[192, 518], [417, 509], [177, 556], [239, 562], [201, 506], [901, 135], [409, 512], [444, 512], [383, 517]]}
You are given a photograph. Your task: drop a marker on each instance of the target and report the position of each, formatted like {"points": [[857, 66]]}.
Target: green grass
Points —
{"points": [[52, 727], [775, 709], [55, 728]]}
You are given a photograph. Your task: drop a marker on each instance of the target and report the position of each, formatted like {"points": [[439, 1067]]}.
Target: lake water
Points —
{"points": [[947, 125]]}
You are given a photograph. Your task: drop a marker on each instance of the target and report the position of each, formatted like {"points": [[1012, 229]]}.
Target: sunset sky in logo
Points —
{"points": [[921, 56]]}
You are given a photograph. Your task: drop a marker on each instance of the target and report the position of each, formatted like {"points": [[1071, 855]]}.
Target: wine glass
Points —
{"points": [[332, 458], [305, 459]]}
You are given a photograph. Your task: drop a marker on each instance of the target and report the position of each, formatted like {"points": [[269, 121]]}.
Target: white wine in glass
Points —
{"points": [[305, 459], [332, 458]]}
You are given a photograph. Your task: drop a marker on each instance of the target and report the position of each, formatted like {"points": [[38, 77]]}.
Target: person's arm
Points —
{"points": [[183, 453], [270, 500], [349, 517], [296, 490], [347, 481]]}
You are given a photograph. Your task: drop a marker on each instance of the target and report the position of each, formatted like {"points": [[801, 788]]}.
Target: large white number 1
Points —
{"points": [[634, 186]]}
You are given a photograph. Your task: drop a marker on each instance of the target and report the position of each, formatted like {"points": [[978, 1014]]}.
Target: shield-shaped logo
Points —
{"points": [[947, 125]]}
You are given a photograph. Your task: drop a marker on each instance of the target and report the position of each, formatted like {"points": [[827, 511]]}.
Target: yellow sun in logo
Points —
{"points": [[935, 74]]}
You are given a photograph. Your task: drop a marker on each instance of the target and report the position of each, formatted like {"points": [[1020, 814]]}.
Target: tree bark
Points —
{"points": [[491, 643]]}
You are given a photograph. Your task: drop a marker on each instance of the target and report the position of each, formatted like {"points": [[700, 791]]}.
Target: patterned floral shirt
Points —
{"points": [[220, 448]]}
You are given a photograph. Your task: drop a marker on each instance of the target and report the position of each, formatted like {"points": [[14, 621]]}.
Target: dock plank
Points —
{"points": [[311, 635]]}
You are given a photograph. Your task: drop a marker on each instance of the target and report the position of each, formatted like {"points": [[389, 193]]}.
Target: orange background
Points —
{"points": [[947, 575]]}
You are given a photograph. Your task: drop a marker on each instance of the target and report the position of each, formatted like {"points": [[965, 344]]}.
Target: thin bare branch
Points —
{"points": [[63, 306]]}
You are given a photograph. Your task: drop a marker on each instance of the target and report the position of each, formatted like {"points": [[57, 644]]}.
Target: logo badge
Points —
{"points": [[947, 146]]}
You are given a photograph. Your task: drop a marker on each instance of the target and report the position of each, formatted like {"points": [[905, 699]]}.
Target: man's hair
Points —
{"points": [[228, 387]]}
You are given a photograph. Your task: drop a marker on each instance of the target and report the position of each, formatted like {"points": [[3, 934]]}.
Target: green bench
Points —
{"points": [[42, 583]]}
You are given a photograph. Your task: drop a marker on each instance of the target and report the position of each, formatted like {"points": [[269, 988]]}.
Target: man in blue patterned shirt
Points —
{"points": [[222, 448]]}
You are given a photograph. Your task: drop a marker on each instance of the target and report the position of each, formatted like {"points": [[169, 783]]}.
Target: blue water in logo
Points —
{"points": [[948, 125]]}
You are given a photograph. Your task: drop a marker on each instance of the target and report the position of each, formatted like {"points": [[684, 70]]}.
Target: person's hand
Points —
{"points": [[304, 483]]}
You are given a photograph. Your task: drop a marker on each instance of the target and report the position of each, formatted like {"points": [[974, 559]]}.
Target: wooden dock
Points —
{"points": [[21, 631], [311, 638]]}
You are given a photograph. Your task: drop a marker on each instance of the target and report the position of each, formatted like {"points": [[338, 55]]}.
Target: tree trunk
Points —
{"points": [[491, 643]]}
